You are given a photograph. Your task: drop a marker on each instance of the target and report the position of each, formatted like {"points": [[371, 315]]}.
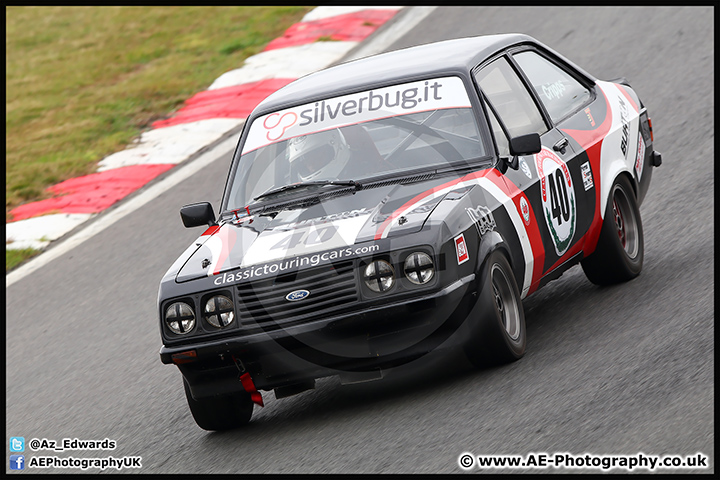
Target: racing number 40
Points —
{"points": [[559, 201]]}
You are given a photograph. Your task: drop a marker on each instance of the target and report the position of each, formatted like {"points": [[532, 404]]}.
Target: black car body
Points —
{"points": [[400, 204]]}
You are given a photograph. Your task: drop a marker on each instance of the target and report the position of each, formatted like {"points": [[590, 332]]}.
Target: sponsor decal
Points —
{"points": [[590, 117], [640, 159], [420, 96], [461, 249], [275, 268], [554, 91], [558, 198], [587, 176], [525, 168], [625, 125], [276, 125], [297, 295], [483, 219], [302, 238], [525, 210]]}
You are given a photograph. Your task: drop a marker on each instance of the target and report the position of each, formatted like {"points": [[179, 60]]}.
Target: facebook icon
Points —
{"points": [[17, 462]]}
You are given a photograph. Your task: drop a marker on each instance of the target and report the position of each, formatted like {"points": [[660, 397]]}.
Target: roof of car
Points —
{"points": [[434, 59]]}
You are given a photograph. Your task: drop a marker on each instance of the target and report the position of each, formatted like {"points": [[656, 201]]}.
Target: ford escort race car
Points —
{"points": [[402, 204]]}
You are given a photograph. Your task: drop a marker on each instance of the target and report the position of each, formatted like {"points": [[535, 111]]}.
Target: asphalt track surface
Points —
{"points": [[618, 370]]}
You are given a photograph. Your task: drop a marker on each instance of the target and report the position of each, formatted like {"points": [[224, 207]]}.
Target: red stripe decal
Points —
{"points": [[624, 91], [569, 254], [593, 233], [532, 230], [588, 137], [423, 196], [211, 230], [227, 237], [591, 141]]}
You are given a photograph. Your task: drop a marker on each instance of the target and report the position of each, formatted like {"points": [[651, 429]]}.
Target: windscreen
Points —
{"points": [[412, 126]]}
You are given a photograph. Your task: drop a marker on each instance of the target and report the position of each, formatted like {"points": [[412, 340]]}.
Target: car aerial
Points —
{"points": [[402, 204]]}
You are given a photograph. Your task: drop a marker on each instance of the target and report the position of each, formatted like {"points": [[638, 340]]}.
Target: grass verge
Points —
{"points": [[13, 258], [82, 82]]}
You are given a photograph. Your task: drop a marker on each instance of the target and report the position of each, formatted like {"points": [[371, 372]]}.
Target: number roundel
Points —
{"points": [[558, 199]]}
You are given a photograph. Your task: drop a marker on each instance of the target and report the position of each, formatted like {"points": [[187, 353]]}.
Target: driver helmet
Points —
{"points": [[319, 156]]}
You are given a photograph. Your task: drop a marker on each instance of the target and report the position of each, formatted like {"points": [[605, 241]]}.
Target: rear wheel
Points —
{"points": [[223, 412], [619, 254], [499, 335]]}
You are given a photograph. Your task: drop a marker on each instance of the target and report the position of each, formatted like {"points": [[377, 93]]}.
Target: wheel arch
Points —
{"points": [[616, 169], [493, 241]]}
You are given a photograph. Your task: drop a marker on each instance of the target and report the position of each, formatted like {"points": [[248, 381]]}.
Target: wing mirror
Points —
{"points": [[523, 145], [197, 214]]}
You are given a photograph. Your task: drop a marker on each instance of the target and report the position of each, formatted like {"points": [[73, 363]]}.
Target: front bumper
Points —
{"points": [[376, 338]]}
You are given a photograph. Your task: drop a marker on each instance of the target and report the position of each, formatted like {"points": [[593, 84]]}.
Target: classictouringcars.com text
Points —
{"points": [[302, 261]]}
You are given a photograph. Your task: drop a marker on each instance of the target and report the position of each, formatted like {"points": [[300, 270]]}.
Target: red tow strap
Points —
{"points": [[249, 387]]}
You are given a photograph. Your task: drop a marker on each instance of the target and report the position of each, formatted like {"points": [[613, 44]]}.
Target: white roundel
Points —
{"points": [[525, 210], [558, 199]]}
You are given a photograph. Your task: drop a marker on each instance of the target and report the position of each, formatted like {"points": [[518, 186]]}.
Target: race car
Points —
{"points": [[402, 204]]}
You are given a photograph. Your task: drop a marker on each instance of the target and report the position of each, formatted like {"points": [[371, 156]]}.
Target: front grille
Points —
{"points": [[332, 288]]}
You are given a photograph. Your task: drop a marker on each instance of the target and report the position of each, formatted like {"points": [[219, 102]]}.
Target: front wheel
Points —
{"points": [[499, 336], [223, 412], [619, 254]]}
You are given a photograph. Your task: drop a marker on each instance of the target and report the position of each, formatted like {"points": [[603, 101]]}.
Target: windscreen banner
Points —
{"points": [[420, 96]]}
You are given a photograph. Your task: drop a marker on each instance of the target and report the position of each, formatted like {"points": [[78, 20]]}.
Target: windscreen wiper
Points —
{"points": [[293, 186]]}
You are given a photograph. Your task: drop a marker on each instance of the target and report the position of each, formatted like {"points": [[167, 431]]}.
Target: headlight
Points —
{"points": [[419, 268], [219, 311], [180, 318], [379, 276]]}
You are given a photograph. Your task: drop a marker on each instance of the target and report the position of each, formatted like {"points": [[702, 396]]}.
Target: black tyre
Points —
{"points": [[223, 412], [499, 336], [618, 256]]}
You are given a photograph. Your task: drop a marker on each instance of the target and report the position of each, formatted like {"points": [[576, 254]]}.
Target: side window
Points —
{"points": [[510, 98], [500, 137], [558, 91]]}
